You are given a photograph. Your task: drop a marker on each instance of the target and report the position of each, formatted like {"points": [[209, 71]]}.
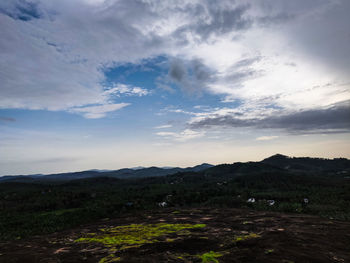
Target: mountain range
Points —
{"points": [[275, 163], [138, 172]]}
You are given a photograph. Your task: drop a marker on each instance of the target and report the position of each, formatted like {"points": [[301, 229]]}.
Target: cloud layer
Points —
{"points": [[283, 54], [334, 119]]}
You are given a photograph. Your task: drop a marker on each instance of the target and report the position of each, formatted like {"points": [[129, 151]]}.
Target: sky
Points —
{"points": [[107, 84]]}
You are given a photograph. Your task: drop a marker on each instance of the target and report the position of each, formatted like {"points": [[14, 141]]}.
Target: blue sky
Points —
{"points": [[109, 84]]}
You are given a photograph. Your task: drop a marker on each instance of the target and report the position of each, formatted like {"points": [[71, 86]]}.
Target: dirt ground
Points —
{"points": [[227, 235]]}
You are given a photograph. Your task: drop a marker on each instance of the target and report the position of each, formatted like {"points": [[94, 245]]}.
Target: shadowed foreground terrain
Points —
{"points": [[191, 235]]}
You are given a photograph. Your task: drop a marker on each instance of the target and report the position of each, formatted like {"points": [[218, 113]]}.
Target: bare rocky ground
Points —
{"points": [[225, 235]]}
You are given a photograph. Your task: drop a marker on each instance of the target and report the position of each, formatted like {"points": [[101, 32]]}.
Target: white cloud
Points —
{"points": [[180, 111], [266, 138], [182, 136], [99, 111], [123, 89], [163, 126]]}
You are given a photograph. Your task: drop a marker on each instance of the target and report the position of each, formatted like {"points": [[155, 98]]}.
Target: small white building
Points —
{"points": [[162, 204], [271, 202], [251, 200]]}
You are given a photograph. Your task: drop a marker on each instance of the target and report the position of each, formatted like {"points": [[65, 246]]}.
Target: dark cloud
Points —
{"points": [[275, 19], [243, 70], [200, 71], [331, 120], [223, 21], [177, 70], [246, 62], [214, 19], [240, 76], [192, 76], [223, 121], [20, 9]]}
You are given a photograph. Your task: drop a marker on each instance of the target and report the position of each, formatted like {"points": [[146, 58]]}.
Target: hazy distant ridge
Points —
{"points": [[275, 163], [121, 174]]}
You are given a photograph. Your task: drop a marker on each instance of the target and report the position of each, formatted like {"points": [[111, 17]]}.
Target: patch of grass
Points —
{"points": [[245, 237], [136, 234], [182, 256], [109, 258], [210, 257]]}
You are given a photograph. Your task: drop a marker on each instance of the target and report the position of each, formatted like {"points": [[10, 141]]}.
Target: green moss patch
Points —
{"points": [[210, 257], [110, 258], [136, 234], [245, 237]]}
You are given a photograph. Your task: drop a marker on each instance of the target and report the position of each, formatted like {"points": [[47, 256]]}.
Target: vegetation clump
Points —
{"points": [[210, 257], [110, 258], [136, 234], [245, 237]]}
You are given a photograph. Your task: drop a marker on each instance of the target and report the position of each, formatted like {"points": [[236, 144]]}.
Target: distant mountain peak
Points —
{"points": [[277, 156], [137, 167], [205, 164]]}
